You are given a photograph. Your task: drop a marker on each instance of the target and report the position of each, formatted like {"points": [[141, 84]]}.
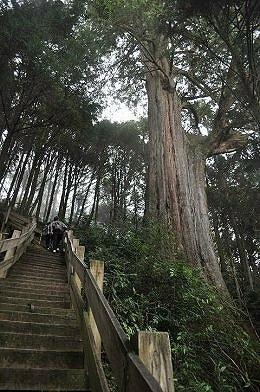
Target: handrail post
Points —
{"points": [[80, 252], [97, 270], [10, 253], [154, 351], [75, 242]]}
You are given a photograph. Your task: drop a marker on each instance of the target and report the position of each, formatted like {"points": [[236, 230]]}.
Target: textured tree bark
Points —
{"points": [[73, 199], [55, 181], [4, 154], [42, 186], [15, 176], [244, 262], [32, 169], [64, 187], [68, 189], [233, 267], [36, 173], [48, 193], [86, 196], [94, 209], [176, 185]]}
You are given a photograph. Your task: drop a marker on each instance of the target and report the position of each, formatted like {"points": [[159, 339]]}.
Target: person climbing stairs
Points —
{"points": [[40, 343]]}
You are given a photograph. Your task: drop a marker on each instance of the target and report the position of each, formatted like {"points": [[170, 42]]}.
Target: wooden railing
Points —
{"points": [[14, 247], [99, 324], [142, 365]]}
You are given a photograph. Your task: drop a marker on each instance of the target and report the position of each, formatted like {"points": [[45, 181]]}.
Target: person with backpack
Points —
{"points": [[47, 234], [58, 228]]}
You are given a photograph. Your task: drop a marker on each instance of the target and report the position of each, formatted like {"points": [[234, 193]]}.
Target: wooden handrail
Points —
{"points": [[10, 243], [15, 247], [99, 323], [127, 367]]}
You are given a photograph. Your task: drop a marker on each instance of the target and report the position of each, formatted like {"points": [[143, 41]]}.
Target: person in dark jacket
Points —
{"points": [[58, 228], [47, 234]]}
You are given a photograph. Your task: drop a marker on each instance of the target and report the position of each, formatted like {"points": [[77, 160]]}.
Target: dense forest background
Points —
{"points": [[171, 201]]}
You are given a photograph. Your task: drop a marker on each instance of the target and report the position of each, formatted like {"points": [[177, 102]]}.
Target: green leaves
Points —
{"points": [[147, 290], [139, 17]]}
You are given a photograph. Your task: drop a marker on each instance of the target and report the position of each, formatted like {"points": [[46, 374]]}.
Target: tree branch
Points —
{"points": [[228, 143]]}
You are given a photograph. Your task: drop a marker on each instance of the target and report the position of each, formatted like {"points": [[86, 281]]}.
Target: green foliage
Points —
{"points": [[233, 198], [149, 290], [129, 13]]}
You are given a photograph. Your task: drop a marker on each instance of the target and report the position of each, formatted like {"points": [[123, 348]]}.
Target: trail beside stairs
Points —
{"points": [[40, 344]]}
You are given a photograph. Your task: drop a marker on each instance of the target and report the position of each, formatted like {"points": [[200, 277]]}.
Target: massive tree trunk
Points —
{"points": [[176, 185]]}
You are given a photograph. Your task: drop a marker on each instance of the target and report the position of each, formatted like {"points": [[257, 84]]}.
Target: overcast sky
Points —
{"points": [[121, 113]]}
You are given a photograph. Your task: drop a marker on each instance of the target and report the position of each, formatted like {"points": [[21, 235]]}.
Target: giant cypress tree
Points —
{"points": [[176, 184]]}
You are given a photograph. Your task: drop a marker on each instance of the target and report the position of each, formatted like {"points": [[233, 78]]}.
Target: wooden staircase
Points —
{"points": [[40, 345]]}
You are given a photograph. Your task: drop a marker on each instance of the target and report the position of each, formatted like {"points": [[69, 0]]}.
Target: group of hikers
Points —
{"points": [[53, 233]]}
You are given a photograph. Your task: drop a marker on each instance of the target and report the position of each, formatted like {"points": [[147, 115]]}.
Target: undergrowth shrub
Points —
{"points": [[151, 288]]}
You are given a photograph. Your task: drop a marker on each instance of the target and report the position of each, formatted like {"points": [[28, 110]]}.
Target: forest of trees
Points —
{"points": [[171, 201]]}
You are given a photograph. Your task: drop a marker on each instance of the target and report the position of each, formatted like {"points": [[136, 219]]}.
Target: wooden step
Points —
{"points": [[36, 317], [39, 267], [63, 312], [24, 293], [36, 287], [43, 379], [39, 342], [43, 263], [38, 280], [38, 328], [51, 359], [38, 274], [16, 281], [36, 302], [50, 258], [54, 258], [40, 264]]}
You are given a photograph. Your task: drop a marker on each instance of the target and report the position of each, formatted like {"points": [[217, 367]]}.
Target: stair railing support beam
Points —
{"points": [[80, 252], [97, 270], [154, 351], [9, 255]]}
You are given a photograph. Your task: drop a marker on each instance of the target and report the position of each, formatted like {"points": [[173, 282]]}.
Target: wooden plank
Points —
{"points": [[79, 266], [97, 270], [72, 259], [9, 256], [130, 372], [10, 243], [97, 380], [80, 252], [154, 350], [14, 252], [10, 251]]}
